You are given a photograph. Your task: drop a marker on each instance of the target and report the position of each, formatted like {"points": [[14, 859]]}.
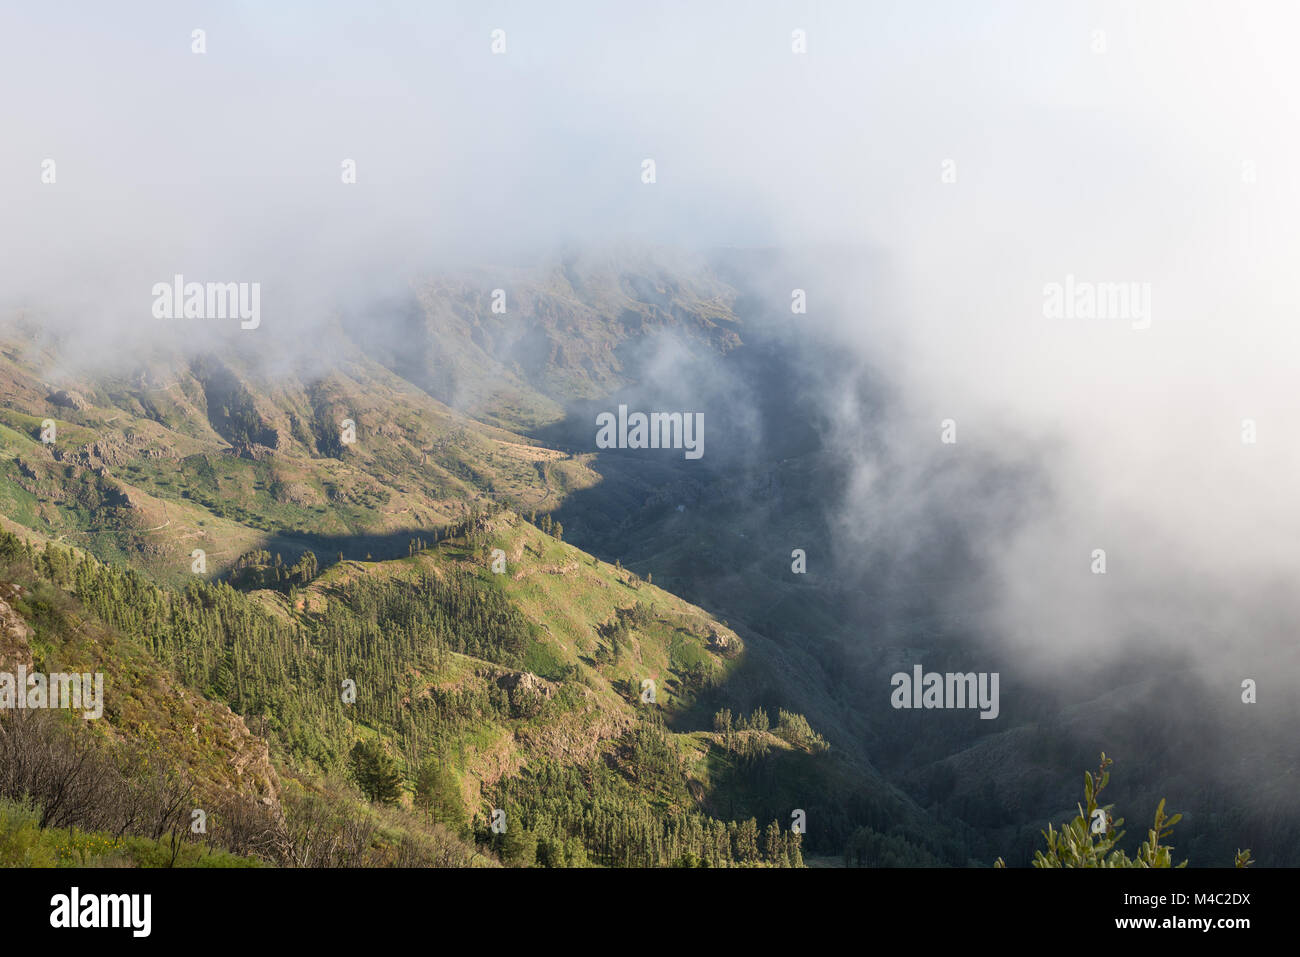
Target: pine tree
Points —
{"points": [[773, 852], [375, 772], [1092, 838], [519, 845], [438, 794]]}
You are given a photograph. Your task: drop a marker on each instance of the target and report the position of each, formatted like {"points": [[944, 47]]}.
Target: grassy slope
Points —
{"points": [[23, 843], [144, 474], [47, 631], [569, 596], [573, 599]]}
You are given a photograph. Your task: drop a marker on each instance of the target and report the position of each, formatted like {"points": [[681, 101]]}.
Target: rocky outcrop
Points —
{"points": [[722, 643], [14, 649], [254, 452], [527, 683], [67, 400]]}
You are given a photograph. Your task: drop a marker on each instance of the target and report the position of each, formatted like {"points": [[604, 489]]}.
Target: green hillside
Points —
{"points": [[502, 680], [611, 648]]}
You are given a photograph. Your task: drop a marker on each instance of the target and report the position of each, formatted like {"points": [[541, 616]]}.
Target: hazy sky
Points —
{"points": [[230, 160]]}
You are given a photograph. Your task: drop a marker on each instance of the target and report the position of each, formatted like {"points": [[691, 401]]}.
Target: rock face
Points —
{"points": [[721, 642], [249, 757], [14, 650], [67, 400], [528, 683], [256, 452]]}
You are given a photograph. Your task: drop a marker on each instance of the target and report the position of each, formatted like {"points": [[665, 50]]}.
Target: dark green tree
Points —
{"points": [[1092, 838], [375, 772], [518, 845], [438, 794]]}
